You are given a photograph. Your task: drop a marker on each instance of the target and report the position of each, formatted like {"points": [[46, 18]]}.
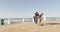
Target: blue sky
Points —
{"points": [[26, 8]]}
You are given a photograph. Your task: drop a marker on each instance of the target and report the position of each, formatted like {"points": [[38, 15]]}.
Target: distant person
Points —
{"points": [[36, 14]]}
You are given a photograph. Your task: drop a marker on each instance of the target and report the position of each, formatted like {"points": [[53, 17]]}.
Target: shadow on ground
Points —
{"points": [[52, 23]]}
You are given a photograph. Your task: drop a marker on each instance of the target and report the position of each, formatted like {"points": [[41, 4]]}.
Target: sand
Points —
{"points": [[30, 27]]}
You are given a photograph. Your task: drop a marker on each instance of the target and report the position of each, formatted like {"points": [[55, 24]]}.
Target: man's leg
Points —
{"points": [[35, 20]]}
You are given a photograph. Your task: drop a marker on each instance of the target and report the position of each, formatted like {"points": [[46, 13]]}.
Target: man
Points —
{"points": [[36, 14], [41, 16], [39, 19]]}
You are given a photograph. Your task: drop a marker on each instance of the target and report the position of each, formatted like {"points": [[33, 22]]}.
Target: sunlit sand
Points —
{"points": [[31, 27]]}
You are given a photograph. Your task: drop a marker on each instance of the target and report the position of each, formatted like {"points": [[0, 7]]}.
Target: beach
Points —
{"points": [[49, 26]]}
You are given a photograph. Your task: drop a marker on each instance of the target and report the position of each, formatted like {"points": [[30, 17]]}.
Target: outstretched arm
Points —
{"points": [[41, 14]]}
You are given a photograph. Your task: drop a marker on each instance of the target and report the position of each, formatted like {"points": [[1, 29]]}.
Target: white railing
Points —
{"points": [[14, 20], [10, 20]]}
